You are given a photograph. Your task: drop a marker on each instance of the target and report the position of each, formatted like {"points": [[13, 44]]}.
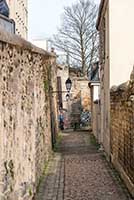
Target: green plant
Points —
{"points": [[30, 192], [44, 174], [58, 141], [94, 142], [46, 85]]}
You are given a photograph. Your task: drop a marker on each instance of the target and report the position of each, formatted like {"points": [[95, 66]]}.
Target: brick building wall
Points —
{"points": [[122, 131], [25, 129]]}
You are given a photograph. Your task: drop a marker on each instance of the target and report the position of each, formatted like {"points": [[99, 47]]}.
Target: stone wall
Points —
{"points": [[79, 96], [80, 101], [104, 81], [53, 98], [122, 131], [25, 131]]}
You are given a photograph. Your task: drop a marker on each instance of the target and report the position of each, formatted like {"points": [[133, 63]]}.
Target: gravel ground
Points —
{"points": [[81, 173]]}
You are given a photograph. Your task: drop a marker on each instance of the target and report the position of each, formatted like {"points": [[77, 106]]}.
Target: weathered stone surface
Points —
{"points": [[80, 98], [122, 132], [25, 134], [79, 172]]}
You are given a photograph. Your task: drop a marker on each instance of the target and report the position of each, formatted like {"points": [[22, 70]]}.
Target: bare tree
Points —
{"points": [[77, 35]]}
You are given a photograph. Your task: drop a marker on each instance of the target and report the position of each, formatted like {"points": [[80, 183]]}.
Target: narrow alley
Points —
{"points": [[79, 171], [66, 100]]}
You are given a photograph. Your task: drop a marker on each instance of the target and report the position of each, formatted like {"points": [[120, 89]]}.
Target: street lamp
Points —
{"points": [[67, 97], [68, 84]]}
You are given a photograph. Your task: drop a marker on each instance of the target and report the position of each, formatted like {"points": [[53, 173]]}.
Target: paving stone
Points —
{"points": [[80, 172]]}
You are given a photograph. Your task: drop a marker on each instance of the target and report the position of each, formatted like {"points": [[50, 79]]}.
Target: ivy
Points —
{"points": [[46, 85], [30, 192]]}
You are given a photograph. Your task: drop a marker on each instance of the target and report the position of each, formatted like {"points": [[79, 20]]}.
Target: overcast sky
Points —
{"points": [[44, 17]]}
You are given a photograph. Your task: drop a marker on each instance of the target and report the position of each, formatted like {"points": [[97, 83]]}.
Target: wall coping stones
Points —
{"points": [[121, 88], [114, 88], [124, 86], [22, 43], [132, 74]]}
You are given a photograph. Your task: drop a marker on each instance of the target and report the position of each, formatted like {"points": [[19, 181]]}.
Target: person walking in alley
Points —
{"points": [[61, 121]]}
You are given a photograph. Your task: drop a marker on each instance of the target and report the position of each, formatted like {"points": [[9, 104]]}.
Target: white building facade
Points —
{"points": [[19, 13], [114, 23]]}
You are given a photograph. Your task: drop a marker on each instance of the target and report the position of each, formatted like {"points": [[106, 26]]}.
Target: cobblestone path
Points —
{"points": [[80, 172]]}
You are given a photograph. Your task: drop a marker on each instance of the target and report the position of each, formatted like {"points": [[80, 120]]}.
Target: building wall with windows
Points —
{"points": [[19, 12]]}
